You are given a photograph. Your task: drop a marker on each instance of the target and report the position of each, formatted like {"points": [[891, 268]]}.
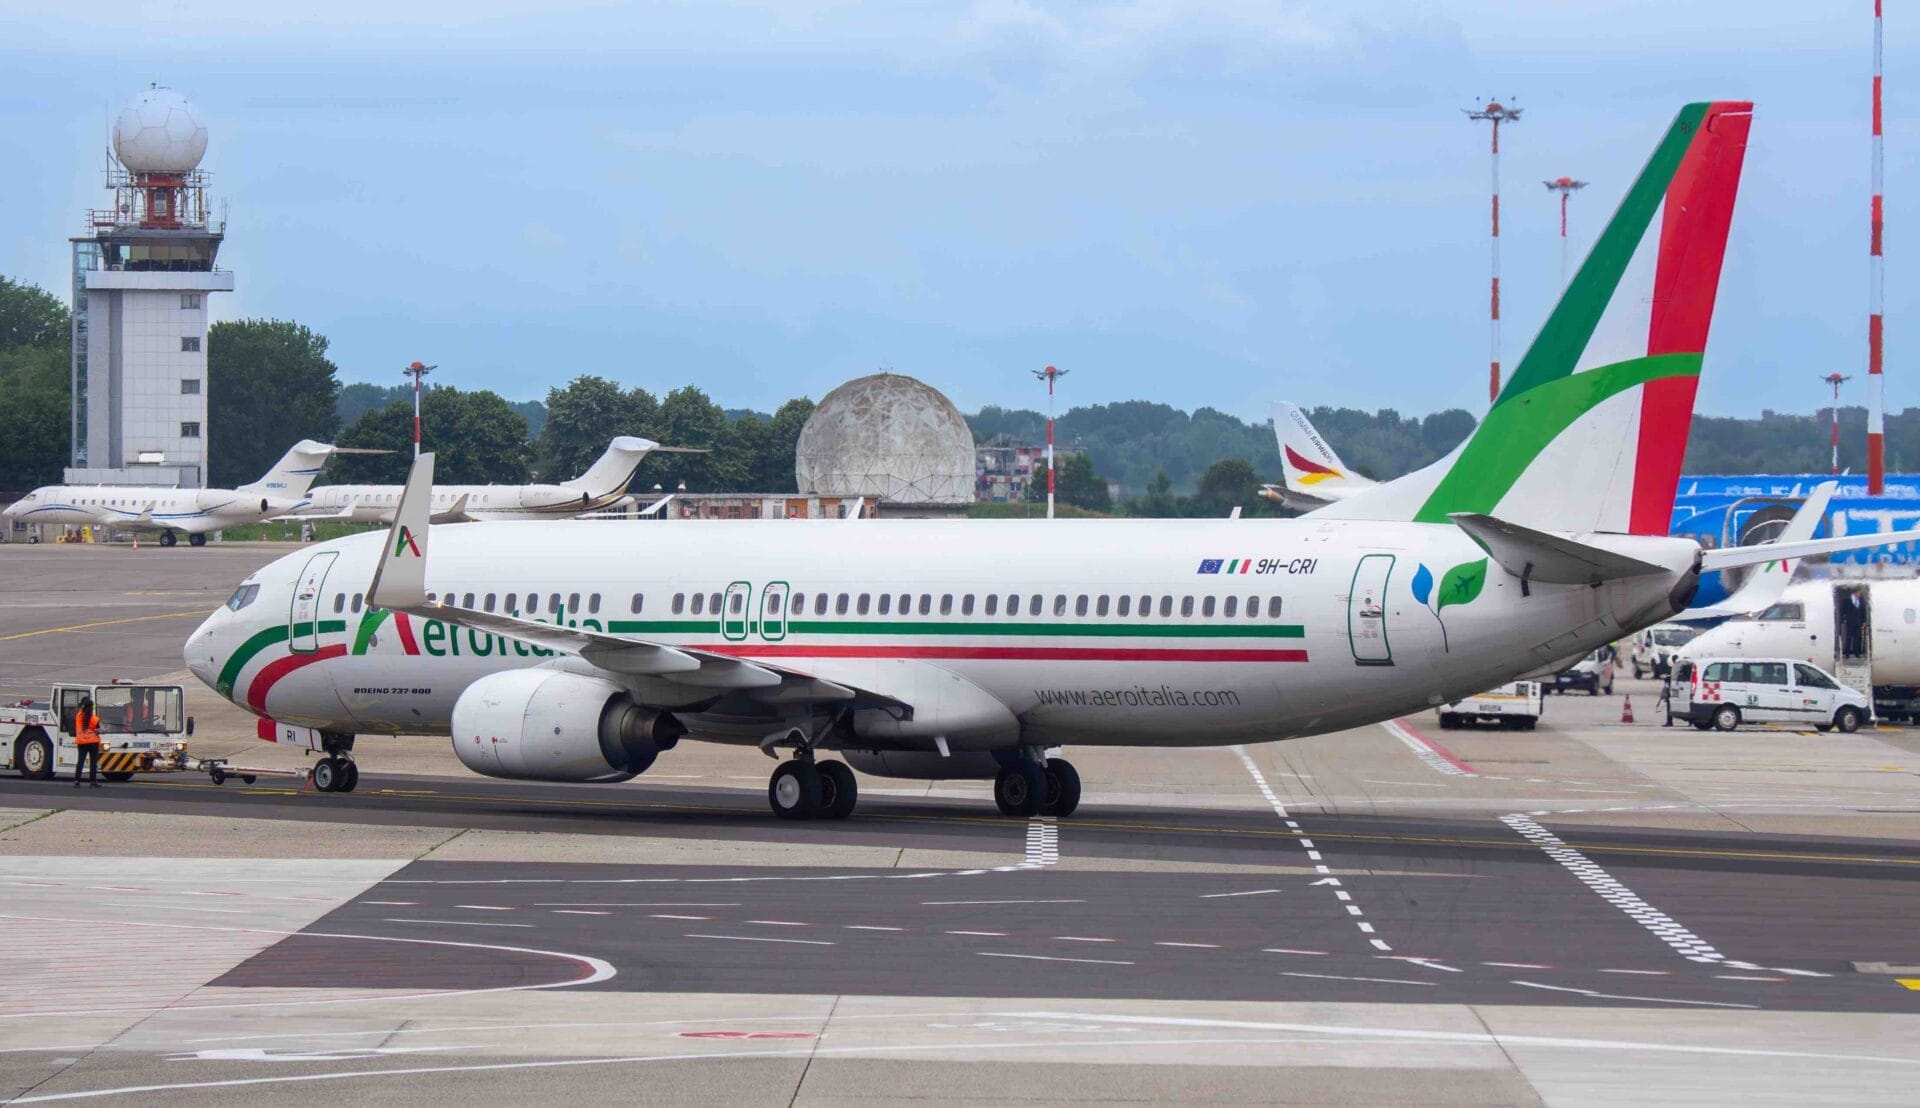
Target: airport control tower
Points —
{"points": [[141, 277]]}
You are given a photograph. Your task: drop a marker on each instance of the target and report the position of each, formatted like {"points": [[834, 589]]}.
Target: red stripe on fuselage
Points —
{"points": [[271, 674], [1006, 653], [1693, 242], [405, 628]]}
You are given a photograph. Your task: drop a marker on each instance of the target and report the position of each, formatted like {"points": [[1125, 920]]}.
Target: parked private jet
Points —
{"points": [[176, 511], [602, 485]]}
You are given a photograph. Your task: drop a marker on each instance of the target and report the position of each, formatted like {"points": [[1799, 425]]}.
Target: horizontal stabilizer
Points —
{"points": [[1764, 588], [1732, 557], [1549, 559]]}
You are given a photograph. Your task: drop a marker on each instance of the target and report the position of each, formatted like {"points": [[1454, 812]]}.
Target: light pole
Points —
{"points": [[417, 371], [1836, 380], [1565, 186], [1050, 375], [1496, 113]]}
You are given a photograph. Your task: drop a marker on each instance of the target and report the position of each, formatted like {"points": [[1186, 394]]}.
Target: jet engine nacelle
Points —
{"points": [[546, 725]]}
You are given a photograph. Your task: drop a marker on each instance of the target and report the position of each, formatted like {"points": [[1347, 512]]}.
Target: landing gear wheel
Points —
{"points": [[1726, 717], [35, 758], [167, 538], [794, 791], [1020, 791], [326, 775], [349, 776], [838, 790], [196, 540], [1063, 788], [1847, 719]]}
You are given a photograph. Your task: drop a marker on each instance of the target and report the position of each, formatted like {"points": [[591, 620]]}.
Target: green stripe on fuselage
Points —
{"points": [[247, 651], [1248, 630]]}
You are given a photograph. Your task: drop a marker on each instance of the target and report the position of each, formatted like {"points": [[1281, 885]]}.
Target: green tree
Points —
{"points": [[35, 408], [586, 414], [1159, 502], [30, 316], [773, 466], [476, 438], [1077, 484], [1227, 484], [690, 418], [269, 385]]}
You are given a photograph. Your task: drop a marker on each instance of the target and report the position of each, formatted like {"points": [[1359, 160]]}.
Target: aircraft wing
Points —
{"points": [[1732, 557], [1292, 498], [1550, 559], [399, 584], [455, 513]]}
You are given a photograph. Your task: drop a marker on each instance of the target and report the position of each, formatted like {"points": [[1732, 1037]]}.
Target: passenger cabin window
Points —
{"points": [[1033, 605], [467, 601], [820, 604], [799, 604], [1206, 607], [699, 603], [1186, 606], [355, 606], [339, 602], [886, 603], [906, 604], [862, 602], [633, 606], [1273, 607], [966, 605], [553, 605], [946, 604], [533, 603], [713, 603], [773, 603], [593, 604], [736, 602], [1059, 604], [1080, 605], [487, 604], [679, 602], [1231, 608], [1253, 607], [926, 603], [1124, 607], [573, 603], [1166, 607], [840, 605], [993, 603]]}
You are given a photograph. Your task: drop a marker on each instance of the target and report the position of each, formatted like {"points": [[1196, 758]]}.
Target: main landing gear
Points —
{"points": [[802, 788], [168, 538], [1037, 786], [337, 772], [196, 540]]}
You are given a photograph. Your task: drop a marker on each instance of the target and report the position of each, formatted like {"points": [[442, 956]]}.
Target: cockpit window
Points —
{"points": [[1793, 612], [242, 597]]}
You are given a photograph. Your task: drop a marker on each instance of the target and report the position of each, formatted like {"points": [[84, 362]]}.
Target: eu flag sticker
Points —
{"points": [[1210, 565]]}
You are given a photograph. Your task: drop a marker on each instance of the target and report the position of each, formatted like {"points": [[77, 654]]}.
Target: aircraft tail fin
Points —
{"points": [[400, 579], [293, 474], [610, 473], [1589, 432], [1307, 462]]}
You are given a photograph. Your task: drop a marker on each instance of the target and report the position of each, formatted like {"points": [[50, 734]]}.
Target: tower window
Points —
{"points": [[190, 344], [190, 386], [189, 300], [190, 430]]}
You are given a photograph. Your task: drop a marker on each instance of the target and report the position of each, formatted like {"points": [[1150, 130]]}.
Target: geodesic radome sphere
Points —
{"points": [[158, 132], [886, 436]]}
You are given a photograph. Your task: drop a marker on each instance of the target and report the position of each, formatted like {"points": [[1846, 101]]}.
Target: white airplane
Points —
{"points": [[603, 484], [176, 511], [1313, 475], [574, 651], [1765, 585]]}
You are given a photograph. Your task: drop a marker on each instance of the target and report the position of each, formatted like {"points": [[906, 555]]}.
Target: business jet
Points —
{"points": [[603, 484], [580, 651], [175, 511], [1312, 475]]}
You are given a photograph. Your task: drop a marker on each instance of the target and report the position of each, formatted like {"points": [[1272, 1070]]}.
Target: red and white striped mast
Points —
{"points": [[1050, 375], [1495, 113], [1836, 380], [417, 371], [1876, 296], [1565, 186]]}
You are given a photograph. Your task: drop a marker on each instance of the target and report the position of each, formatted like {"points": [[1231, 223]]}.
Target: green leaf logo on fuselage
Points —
{"points": [[1460, 585]]}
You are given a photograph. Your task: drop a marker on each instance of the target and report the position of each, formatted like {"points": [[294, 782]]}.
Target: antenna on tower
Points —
{"points": [[1836, 380], [1496, 113]]}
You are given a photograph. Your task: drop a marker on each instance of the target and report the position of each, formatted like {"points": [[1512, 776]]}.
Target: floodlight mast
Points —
{"points": [[1050, 375], [1565, 186], [1496, 113], [1876, 292], [1836, 380], [417, 372]]}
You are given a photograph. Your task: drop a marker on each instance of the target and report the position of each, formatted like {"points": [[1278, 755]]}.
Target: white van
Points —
{"points": [[1723, 693], [1653, 649]]}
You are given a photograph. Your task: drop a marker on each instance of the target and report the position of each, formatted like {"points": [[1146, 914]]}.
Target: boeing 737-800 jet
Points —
{"points": [[171, 511], [579, 651], [604, 483]]}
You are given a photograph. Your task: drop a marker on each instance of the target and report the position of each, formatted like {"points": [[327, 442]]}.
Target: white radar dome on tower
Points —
{"points": [[159, 132], [887, 436]]}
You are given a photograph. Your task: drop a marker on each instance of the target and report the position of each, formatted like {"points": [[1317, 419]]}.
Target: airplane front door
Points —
{"points": [[303, 616], [1367, 611]]}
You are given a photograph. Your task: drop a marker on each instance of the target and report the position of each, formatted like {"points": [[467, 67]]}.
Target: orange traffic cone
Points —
{"points": [[1626, 711]]}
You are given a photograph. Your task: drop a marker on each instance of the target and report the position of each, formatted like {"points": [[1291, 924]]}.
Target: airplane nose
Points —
{"points": [[199, 653]]}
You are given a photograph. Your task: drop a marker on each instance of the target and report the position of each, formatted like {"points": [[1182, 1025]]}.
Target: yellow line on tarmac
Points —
{"points": [[102, 623], [1910, 982]]}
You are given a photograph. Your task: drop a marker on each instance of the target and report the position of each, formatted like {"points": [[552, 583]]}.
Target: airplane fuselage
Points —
{"points": [[375, 503], [191, 511], [1093, 632]]}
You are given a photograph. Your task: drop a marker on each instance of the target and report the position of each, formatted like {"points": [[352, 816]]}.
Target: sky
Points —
{"points": [[1199, 202]]}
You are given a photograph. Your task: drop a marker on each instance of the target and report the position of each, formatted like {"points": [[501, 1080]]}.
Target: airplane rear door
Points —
{"points": [[303, 616], [1367, 611]]}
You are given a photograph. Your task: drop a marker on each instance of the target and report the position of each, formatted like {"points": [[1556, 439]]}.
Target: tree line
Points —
{"points": [[270, 383]]}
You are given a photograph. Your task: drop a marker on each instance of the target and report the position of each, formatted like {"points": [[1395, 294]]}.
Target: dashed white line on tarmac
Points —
{"points": [[659, 915], [1528, 965], [762, 939], [579, 912], [1371, 980], [1288, 950], [1082, 939], [1598, 995], [1195, 946], [981, 934], [1045, 958], [485, 907], [779, 923], [949, 903], [1280, 809], [1249, 892], [620, 903], [1636, 972], [459, 923], [871, 927]]}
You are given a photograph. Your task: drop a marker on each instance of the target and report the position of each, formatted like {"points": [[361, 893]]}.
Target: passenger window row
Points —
{"points": [[1081, 606]]}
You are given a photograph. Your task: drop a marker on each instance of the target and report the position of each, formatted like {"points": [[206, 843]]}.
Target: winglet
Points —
{"points": [[400, 580]]}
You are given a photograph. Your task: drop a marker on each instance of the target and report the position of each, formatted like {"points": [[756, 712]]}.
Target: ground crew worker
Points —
{"points": [[86, 743]]}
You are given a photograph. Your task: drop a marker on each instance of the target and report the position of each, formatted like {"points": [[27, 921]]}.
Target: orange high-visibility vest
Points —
{"points": [[86, 729]]}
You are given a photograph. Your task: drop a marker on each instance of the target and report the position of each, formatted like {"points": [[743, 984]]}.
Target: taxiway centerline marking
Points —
{"points": [[1598, 995], [459, 923], [1293, 825], [762, 939], [1047, 958]]}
